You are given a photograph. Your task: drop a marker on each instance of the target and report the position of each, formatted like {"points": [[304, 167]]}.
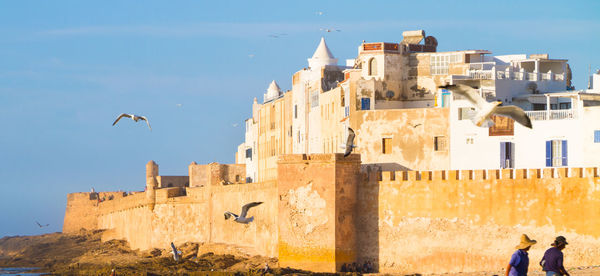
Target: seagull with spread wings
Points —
{"points": [[133, 117], [485, 110], [41, 225], [242, 217], [349, 142]]}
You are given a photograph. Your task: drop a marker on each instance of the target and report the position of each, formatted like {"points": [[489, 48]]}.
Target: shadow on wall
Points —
{"points": [[367, 224], [383, 167]]}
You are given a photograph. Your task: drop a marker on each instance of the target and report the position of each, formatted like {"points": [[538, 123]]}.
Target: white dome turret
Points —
{"points": [[273, 92], [322, 56]]}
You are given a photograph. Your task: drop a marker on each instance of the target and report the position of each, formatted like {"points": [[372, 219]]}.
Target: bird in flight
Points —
{"points": [[40, 225], [133, 117], [349, 142], [277, 35], [484, 109], [242, 217], [319, 13], [330, 30]]}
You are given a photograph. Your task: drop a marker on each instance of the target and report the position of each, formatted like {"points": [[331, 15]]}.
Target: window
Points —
{"points": [[465, 113], [507, 150], [365, 103], [596, 136], [298, 136], [556, 153], [372, 67], [249, 153], [346, 111], [564, 106], [439, 62], [295, 111], [470, 140], [386, 145], [314, 98], [440, 143]]}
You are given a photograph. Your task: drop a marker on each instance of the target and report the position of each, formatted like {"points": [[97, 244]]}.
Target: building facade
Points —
{"points": [[389, 96]]}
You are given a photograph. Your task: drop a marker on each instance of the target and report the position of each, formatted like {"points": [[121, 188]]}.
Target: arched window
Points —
{"points": [[372, 67]]}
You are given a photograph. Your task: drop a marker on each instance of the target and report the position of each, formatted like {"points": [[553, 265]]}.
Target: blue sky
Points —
{"points": [[68, 68]]}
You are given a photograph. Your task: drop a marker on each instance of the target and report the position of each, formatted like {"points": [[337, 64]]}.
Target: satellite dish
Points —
{"points": [[532, 87], [389, 94], [430, 40]]}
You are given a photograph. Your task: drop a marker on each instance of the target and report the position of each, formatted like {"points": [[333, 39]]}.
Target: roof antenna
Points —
{"points": [[589, 76]]}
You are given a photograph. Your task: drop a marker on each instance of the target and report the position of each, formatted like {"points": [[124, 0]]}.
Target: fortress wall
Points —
{"points": [[81, 212], [172, 181], [450, 221], [261, 235], [187, 215]]}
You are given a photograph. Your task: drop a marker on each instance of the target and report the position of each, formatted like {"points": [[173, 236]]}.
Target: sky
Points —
{"points": [[69, 68]]}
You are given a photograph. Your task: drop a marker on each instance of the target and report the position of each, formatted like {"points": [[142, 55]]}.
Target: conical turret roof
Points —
{"points": [[323, 51], [272, 92], [322, 56]]}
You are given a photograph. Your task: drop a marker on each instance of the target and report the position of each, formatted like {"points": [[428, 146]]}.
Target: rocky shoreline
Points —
{"points": [[84, 253]]}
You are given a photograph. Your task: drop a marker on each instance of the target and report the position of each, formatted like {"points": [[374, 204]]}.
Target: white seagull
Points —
{"points": [[133, 117], [176, 253], [330, 30], [484, 109], [242, 217], [349, 142]]}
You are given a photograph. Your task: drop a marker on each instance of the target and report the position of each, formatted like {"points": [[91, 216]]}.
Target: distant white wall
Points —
{"points": [[530, 144]]}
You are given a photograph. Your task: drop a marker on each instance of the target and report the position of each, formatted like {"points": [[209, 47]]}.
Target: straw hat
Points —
{"points": [[525, 242]]}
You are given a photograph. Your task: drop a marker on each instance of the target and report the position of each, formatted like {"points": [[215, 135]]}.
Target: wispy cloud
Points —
{"points": [[203, 29], [231, 29]]}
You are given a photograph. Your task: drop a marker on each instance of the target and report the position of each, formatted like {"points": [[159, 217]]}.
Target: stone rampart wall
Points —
{"points": [[184, 215], [471, 220], [403, 221]]}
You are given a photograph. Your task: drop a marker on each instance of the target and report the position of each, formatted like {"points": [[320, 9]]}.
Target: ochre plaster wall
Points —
{"points": [[412, 132], [322, 212], [317, 198], [183, 214], [451, 221]]}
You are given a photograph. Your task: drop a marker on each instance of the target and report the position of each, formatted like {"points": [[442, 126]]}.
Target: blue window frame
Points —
{"points": [[365, 103], [556, 153], [596, 136], [249, 153]]}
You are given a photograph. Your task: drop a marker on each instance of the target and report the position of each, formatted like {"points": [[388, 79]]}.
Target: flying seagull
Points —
{"points": [[40, 225], [350, 142], [330, 30], [134, 117], [242, 217], [484, 109]]}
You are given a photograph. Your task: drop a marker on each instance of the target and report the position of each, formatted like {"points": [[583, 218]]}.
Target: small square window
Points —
{"points": [[386, 145], [440, 143], [365, 103]]}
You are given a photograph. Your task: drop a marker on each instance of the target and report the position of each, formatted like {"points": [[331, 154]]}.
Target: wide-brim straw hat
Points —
{"points": [[525, 242]]}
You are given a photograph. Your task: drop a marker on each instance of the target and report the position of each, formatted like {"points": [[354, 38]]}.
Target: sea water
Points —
{"points": [[18, 271]]}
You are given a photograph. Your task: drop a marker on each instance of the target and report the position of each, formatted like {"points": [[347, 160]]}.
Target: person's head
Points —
{"points": [[526, 243], [560, 242]]}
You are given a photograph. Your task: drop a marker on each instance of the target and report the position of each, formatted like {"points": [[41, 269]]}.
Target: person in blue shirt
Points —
{"points": [[519, 262], [552, 262]]}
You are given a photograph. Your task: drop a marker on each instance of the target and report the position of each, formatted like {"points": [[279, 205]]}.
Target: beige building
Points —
{"points": [[389, 96]]}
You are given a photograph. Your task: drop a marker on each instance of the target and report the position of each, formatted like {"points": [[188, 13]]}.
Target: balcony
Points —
{"points": [[542, 115]]}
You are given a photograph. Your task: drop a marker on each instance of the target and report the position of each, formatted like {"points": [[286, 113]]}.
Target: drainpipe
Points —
{"points": [[547, 107]]}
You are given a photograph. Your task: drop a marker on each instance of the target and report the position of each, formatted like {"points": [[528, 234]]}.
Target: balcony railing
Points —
{"points": [[543, 115], [480, 74], [504, 75]]}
